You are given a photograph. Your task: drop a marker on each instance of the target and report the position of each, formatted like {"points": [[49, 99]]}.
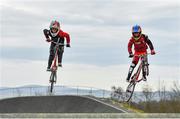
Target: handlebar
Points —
{"points": [[142, 54], [59, 44]]}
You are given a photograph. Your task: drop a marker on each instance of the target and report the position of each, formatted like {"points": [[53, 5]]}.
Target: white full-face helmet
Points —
{"points": [[54, 28]]}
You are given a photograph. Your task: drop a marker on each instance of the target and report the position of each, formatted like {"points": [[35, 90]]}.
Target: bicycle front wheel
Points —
{"points": [[129, 91], [52, 80]]}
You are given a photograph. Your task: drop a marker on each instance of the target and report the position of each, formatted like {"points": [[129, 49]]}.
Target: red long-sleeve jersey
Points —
{"points": [[64, 34], [140, 45]]}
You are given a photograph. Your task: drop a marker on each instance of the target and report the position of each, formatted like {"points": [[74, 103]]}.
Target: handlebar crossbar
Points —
{"points": [[59, 44], [142, 54]]}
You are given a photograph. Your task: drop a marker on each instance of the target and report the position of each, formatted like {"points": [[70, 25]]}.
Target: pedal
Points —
{"points": [[128, 91], [51, 81], [144, 79], [133, 80]]}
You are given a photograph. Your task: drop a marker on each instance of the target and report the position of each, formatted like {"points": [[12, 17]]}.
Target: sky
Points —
{"points": [[99, 31]]}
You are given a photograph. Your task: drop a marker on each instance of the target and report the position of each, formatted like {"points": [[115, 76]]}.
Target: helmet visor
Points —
{"points": [[136, 34], [54, 30]]}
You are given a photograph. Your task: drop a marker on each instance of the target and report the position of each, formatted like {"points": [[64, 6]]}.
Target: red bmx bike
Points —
{"points": [[143, 66], [54, 67]]}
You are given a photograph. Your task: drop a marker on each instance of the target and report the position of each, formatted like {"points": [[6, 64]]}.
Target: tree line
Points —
{"points": [[167, 101]]}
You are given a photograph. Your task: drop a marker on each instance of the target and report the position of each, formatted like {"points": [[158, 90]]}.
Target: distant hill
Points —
{"points": [[36, 90]]}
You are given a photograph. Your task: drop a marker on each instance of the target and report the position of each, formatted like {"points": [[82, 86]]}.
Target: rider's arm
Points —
{"points": [[148, 41], [66, 35], [46, 33], [130, 46]]}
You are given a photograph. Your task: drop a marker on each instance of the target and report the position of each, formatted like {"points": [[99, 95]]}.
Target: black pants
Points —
{"points": [[52, 54]]}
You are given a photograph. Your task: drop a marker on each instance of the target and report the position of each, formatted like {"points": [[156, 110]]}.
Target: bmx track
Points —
{"points": [[56, 104]]}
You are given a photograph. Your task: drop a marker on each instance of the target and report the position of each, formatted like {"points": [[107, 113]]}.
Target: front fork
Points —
{"points": [[54, 66], [136, 75]]}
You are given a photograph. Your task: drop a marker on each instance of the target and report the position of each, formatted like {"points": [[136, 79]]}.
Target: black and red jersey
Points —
{"points": [[60, 35], [140, 45]]}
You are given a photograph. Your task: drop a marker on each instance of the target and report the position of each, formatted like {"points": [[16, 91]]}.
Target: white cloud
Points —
{"points": [[93, 20], [102, 27]]}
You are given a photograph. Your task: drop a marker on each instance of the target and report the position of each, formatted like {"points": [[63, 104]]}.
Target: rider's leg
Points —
{"points": [[132, 66], [60, 55], [51, 56]]}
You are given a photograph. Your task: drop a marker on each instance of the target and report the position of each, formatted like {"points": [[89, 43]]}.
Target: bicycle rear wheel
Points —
{"points": [[146, 70], [52, 80], [129, 91]]}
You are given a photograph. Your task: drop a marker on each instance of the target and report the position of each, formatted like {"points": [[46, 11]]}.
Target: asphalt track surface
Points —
{"points": [[56, 104]]}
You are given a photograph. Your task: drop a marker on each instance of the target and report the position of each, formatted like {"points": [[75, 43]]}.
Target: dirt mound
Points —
{"points": [[54, 104]]}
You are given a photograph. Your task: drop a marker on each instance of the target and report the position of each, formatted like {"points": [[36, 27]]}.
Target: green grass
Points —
{"points": [[133, 109], [127, 106]]}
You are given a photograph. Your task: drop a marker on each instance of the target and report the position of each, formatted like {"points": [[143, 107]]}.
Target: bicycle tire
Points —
{"points": [[147, 72], [52, 80], [130, 91], [146, 69]]}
